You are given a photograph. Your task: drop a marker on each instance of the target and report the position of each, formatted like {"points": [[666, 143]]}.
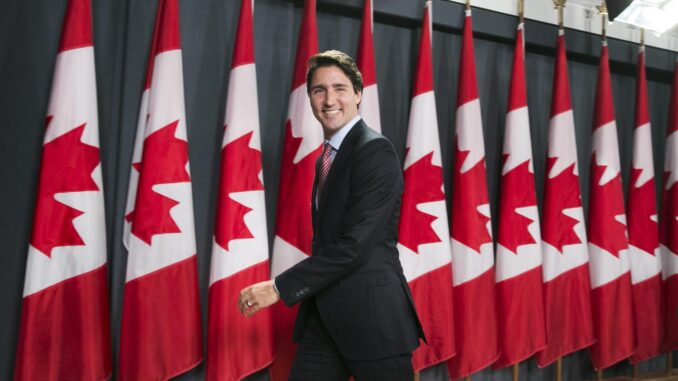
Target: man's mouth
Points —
{"points": [[331, 112]]}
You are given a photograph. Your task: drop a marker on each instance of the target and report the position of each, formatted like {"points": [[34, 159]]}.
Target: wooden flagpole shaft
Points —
{"points": [[599, 375], [416, 376], [559, 369], [515, 371], [467, 378], [635, 371]]}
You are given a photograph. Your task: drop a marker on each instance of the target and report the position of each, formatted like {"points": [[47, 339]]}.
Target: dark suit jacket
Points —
{"points": [[354, 277]]}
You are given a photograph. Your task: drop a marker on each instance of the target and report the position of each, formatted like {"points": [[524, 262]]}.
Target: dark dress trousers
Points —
{"points": [[353, 280]]}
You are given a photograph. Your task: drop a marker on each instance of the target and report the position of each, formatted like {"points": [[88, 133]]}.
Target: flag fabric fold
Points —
{"points": [[64, 328], [161, 329], [608, 240], [669, 224], [475, 323], [293, 231], [567, 287], [423, 241], [520, 306], [644, 257], [369, 104], [238, 346]]}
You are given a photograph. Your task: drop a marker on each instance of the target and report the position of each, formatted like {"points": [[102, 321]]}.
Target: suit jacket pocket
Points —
{"points": [[363, 280]]}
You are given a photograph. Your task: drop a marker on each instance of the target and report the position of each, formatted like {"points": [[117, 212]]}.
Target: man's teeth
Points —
{"points": [[332, 112]]}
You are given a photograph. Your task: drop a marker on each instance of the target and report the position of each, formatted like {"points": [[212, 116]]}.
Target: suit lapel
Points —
{"points": [[339, 160]]}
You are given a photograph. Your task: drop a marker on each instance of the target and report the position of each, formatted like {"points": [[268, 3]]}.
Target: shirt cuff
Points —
{"points": [[275, 287]]}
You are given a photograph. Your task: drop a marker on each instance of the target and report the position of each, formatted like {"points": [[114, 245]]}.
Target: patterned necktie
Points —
{"points": [[325, 164]]}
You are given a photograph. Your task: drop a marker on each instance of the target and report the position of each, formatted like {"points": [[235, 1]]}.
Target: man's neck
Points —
{"points": [[338, 136]]}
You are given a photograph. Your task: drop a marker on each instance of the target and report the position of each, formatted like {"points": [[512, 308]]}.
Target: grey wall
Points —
{"points": [[29, 37]]}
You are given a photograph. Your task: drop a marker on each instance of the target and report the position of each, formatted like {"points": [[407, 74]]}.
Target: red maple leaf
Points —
{"points": [[240, 168], [469, 226], [293, 223], [560, 192], [423, 183], [606, 203], [669, 222], [67, 166], [517, 191], [163, 162], [643, 231]]}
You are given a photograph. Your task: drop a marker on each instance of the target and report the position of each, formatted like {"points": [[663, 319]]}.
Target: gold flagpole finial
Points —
{"points": [[468, 5], [521, 11], [602, 11], [560, 6], [642, 37]]}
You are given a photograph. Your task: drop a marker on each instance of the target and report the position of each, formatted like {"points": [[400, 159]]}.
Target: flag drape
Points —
{"points": [[238, 346], [161, 329], [472, 253], [643, 231], [567, 287], [669, 224], [608, 240], [423, 233], [520, 306], [294, 232], [64, 329], [369, 104]]}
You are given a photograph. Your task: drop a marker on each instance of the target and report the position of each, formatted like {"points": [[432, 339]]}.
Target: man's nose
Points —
{"points": [[330, 98]]}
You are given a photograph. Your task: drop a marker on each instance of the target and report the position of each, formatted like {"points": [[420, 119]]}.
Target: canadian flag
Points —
{"points": [[608, 242], [475, 320], [567, 287], [369, 104], [294, 232], [236, 345], [520, 305], [669, 224], [644, 231], [423, 231], [64, 332], [161, 335]]}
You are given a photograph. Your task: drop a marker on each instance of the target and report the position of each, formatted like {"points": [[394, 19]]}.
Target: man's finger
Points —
{"points": [[250, 312], [245, 291]]}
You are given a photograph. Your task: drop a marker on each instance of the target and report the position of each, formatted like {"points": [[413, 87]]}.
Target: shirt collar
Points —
{"points": [[338, 137]]}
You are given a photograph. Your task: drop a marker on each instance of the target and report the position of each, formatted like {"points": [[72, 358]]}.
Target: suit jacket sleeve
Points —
{"points": [[376, 187]]}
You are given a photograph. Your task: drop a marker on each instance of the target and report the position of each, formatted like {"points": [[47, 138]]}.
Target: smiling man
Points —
{"points": [[356, 316]]}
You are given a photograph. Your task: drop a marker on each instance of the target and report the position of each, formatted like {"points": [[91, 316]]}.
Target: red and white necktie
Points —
{"points": [[325, 164]]}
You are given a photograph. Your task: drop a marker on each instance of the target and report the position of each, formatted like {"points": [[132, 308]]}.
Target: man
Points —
{"points": [[356, 315]]}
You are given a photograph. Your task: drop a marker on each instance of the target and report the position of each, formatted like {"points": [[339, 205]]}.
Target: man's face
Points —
{"points": [[333, 100]]}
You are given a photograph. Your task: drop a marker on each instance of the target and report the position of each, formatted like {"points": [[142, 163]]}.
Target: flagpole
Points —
{"points": [[416, 376], [560, 6], [559, 369], [521, 18], [602, 11]]}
